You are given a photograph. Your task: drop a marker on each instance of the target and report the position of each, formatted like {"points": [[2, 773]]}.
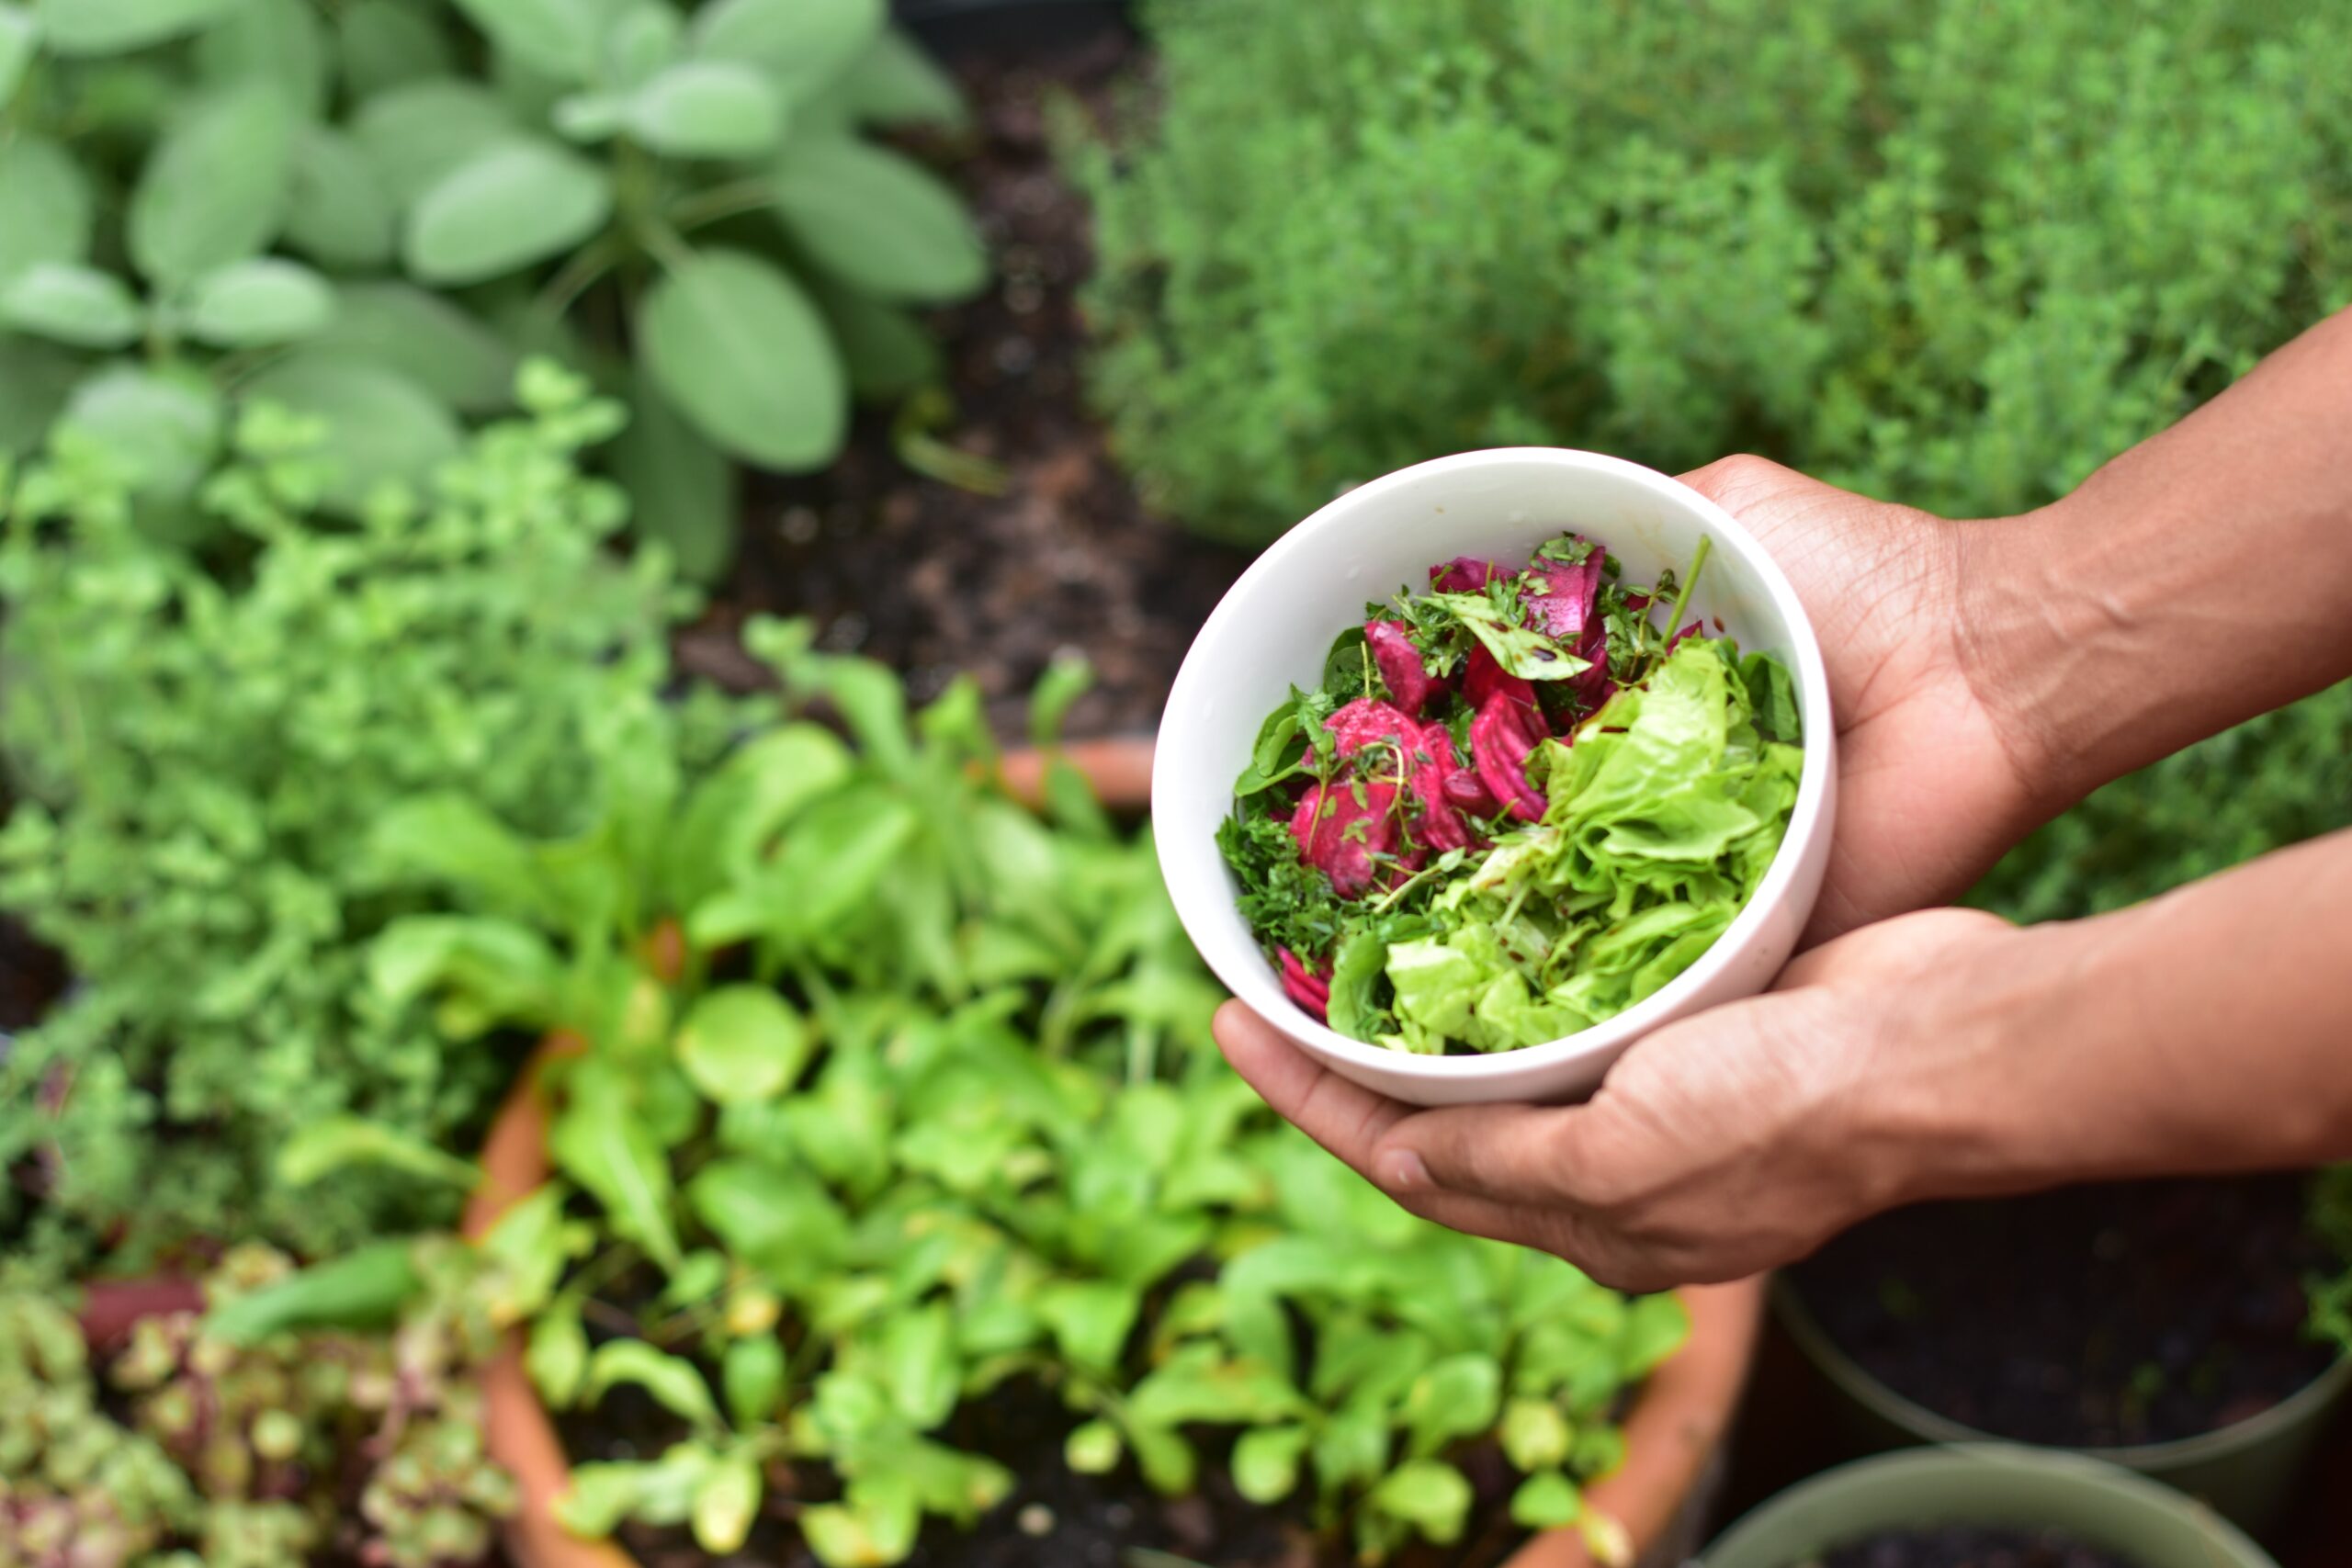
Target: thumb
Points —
{"points": [[1507, 1154]]}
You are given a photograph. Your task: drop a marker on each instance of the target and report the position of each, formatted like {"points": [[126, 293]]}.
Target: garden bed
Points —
{"points": [[935, 579]]}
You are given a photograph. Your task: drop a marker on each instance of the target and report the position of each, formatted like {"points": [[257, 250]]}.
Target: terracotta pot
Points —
{"points": [[1673, 1432]]}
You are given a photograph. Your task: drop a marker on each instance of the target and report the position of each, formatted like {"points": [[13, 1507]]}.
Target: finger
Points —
{"points": [[1345, 1118], [1514, 1155]]}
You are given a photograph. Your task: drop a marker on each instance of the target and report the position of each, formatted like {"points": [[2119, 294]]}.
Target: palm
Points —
{"points": [[1929, 794]]}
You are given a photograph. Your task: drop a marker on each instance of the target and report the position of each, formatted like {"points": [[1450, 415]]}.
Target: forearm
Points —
{"points": [[2207, 1030], [2201, 577]]}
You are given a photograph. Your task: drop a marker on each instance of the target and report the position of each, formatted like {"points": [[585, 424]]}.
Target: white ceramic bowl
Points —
{"points": [[1272, 628]]}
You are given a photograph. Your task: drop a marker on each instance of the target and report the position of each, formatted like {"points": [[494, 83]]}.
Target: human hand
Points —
{"points": [[1727, 1143], [1933, 786]]}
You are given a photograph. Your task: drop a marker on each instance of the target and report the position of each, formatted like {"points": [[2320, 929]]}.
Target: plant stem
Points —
{"points": [[721, 202], [1682, 597], [577, 275]]}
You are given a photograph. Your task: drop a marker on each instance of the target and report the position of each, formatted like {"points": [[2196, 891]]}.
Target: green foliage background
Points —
{"points": [[1954, 254]]}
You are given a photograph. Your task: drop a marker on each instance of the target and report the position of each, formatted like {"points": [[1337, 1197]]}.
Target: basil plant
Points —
{"points": [[365, 210]]}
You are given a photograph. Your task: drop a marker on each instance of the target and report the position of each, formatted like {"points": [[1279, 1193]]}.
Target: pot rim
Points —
{"points": [[1866, 1388], [1897, 1476], [1678, 1419]]}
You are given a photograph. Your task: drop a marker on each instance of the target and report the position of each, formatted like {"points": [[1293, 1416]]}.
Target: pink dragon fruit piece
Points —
{"points": [[1400, 665], [1485, 679], [1304, 986], [1326, 843], [1500, 745], [1463, 574], [1428, 756]]}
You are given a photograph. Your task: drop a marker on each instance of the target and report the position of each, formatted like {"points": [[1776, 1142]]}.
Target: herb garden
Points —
{"points": [[585, 587]]}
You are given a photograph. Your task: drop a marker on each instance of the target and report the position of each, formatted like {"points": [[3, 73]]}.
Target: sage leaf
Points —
{"points": [[72, 304], [260, 303], [276, 43], [382, 44], [738, 348], [45, 208], [707, 108], [339, 212], [877, 222], [116, 27], [426, 337], [682, 490], [555, 37], [802, 44], [418, 132], [18, 35], [514, 203], [214, 191]]}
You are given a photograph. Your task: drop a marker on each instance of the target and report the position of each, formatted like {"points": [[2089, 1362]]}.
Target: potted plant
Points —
{"points": [[260, 1414], [2173, 1327], [877, 1174], [2129, 1520]]}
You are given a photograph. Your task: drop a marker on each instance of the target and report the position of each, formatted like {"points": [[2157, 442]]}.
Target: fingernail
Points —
{"points": [[1403, 1171]]}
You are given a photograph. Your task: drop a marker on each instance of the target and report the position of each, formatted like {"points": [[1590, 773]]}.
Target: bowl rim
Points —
{"points": [[1292, 553]]}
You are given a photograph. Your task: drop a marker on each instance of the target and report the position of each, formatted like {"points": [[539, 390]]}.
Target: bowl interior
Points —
{"points": [[1272, 628]]}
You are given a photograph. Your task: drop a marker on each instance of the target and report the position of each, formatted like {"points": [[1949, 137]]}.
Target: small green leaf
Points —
{"points": [[71, 304], [600, 1139], [427, 338], [675, 1384], [707, 108], [116, 26], [516, 203], [802, 44], [917, 1361], [215, 189], [682, 490], [339, 211], [1094, 1449], [556, 38], [738, 348], [887, 350], [279, 43], [528, 1247], [556, 1355], [45, 209], [382, 44], [894, 82], [381, 427], [641, 40], [726, 1504], [341, 1142], [742, 1043], [762, 786], [878, 222], [589, 118], [1428, 1495], [1656, 1326], [1536, 1435], [18, 33], [753, 1376], [1545, 1501], [258, 304], [1265, 1462], [418, 132], [1091, 1319], [1455, 1397]]}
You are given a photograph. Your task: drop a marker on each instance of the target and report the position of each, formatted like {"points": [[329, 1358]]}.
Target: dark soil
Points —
{"points": [[934, 580], [32, 977], [2091, 1317], [1963, 1546], [1055, 1518]]}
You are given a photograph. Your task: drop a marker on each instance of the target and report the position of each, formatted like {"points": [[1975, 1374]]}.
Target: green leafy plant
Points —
{"points": [[364, 211], [887, 1100], [198, 762], [259, 1450], [1954, 253]]}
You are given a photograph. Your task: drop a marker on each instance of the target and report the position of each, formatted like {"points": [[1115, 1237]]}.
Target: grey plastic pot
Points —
{"points": [[2247, 1470], [1992, 1485]]}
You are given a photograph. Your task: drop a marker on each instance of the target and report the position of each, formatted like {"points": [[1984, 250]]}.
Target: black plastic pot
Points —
{"points": [[2247, 1470], [1990, 1486], [955, 28]]}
